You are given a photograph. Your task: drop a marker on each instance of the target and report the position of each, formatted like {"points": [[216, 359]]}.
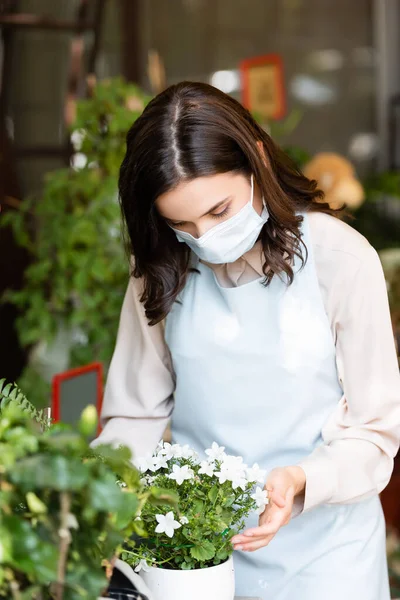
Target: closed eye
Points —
{"points": [[221, 214], [178, 224], [211, 214]]}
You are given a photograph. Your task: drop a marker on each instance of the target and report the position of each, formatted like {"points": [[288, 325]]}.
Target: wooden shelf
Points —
{"points": [[29, 21]]}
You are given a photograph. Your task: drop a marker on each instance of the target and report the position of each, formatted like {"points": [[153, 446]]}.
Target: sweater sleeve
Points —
{"points": [[138, 398], [362, 436]]}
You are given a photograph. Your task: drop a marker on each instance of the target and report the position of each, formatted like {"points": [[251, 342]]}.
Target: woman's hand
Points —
{"points": [[282, 485]]}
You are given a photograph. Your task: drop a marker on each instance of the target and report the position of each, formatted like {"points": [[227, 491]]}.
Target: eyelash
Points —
{"points": [[218, 216], [221, 214]]}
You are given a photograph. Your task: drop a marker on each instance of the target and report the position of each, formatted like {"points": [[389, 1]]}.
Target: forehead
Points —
{"points": [[195, 197]]}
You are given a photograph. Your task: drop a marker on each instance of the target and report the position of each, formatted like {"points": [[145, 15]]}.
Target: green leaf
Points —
{"points": [[213, 493], [186, 566], [229, 501], [30, 554], [198, 506], [54, 472], [88, 421], [220, 526], [163, 496], [139, 528], [203, 551], [223, 553], [35, 505]]}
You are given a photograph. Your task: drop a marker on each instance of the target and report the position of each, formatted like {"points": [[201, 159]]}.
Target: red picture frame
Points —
{"points": [[250, 67], [58, 379]]}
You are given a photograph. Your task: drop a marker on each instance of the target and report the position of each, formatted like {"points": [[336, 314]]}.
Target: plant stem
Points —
{"points": [[161, 562], [15, 590], [65, 540]]}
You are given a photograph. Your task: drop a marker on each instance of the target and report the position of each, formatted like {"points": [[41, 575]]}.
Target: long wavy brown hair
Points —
{"points": [[194, 130]]}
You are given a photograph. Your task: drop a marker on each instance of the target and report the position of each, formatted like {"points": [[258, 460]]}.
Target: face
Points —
{"points": [[198, 205]]}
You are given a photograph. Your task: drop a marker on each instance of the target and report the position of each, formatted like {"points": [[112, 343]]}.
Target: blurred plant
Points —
{"points": [[63, 515], [391, 265], [11, 395], [378, 219], [73, 289], [281, 130]]}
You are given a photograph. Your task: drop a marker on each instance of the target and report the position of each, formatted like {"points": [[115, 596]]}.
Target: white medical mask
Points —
{"points": [[229, 240]]}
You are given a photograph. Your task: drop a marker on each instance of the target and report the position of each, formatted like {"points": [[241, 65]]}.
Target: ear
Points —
{"points": [[261, 150]]}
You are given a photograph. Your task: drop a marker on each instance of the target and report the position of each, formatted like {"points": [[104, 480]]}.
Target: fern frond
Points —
{"points": [[11, 394]]}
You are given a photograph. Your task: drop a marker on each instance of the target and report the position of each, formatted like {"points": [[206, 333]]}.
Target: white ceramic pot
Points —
{"points": [[213, 583], [134, 578]]}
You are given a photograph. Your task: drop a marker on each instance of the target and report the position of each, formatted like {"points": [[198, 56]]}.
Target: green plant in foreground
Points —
{"points": [[11, 395], [62, 512]]}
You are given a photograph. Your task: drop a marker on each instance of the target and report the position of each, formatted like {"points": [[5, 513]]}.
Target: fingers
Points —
{"points": [[277, 498], [277, 513], [269, 528], [271, 520], [256, 544]]}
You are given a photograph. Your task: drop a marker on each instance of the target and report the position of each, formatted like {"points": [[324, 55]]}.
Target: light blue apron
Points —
{"points": [[255, 371]]}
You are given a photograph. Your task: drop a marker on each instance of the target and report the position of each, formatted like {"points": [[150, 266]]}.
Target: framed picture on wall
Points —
{"points": [[262, 82], [74, 390]]}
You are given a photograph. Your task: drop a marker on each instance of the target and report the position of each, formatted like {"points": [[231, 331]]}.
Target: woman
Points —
{"points": [[277, 342]]}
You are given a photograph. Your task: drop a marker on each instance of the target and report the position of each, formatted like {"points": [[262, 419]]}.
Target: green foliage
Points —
{"points": [[79, 270], [62, 511], [280, 131], [386, 183], [11, 395], [378, 217], [209, 514]]}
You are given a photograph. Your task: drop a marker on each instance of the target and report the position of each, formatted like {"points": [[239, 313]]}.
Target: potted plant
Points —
{"points": [[188, 549], [64, 511]]}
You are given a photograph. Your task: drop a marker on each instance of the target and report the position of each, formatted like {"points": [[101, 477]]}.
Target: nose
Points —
{"points": [[200, 230]]}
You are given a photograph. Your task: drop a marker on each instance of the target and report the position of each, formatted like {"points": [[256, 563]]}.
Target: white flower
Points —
{"points": [[216, 452], [222, 476], [239, 481], [142, 565], [160, 462], [184, 520], [188, 452], [233, 469], [144, 463], [206, 468], [236, 477], [261, 498], [167, 524], [255, 474], [175, 450], [233, 463], [180, 474], [168, 451]]}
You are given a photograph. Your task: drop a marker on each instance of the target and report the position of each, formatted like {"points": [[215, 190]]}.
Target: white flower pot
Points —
{"points": [[213, 583], [134, 578]]}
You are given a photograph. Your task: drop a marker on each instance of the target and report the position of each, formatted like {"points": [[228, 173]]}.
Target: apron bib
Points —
{"points": [[255, 371]]}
